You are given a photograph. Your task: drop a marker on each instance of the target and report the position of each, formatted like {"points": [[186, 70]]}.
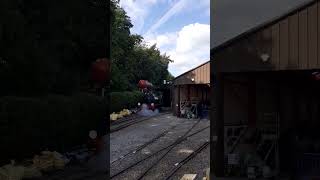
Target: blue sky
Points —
{"points": [[179, 27]]}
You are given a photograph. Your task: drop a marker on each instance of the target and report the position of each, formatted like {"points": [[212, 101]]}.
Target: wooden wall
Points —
{"points": [[201, 75], [196, 93], [292, 42], [236, 96]]}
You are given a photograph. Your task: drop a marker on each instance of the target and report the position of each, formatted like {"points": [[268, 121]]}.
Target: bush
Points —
{"points": [[28, 125], [127, 99]]}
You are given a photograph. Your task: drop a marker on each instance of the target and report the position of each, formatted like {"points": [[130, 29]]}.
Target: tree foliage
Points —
{"points": [[131, 58], [48, 46]]}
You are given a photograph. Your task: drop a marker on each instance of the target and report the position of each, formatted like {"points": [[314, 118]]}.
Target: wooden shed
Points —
{"points": [[191, 87], [266, 80]]}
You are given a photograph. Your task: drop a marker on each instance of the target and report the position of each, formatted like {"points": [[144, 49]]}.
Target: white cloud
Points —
{"points": [[163, 41], [188, 47], [137, 10], [176, 8], [179, 7]]}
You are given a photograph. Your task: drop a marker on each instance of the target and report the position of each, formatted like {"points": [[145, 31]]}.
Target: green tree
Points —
{"points": [[132, 60], [49, 46]]}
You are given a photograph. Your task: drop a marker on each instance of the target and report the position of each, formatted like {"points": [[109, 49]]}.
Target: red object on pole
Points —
{"points": [[143, 84], [100, 71]]}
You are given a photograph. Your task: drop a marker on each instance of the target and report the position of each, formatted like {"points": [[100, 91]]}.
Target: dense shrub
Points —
{"points": [[28, 125], [121, 100]]}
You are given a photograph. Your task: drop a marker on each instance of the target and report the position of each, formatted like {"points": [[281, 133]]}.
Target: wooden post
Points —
{"points": [[217, 125], [202, 88], [188, 92], [252, 103]]}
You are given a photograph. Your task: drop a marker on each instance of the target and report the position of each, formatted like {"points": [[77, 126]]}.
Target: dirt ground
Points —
{"points": [[128, 139]]}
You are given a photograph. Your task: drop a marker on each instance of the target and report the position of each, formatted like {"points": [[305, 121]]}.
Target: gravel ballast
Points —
{"points": [[130, 138]]}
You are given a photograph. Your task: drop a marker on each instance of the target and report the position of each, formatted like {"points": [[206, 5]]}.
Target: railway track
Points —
{"points": [[187, 159], [168, 148], [131, 121], [143, 145], [167, 152], [125, 119]]}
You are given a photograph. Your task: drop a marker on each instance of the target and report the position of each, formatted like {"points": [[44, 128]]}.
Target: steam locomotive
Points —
{"points": [[151, 97]]}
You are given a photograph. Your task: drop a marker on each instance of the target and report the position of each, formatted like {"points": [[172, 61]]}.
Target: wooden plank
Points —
{"points": [[194, 75], [204, 69], [312, 36], [199, 75], [275, 46], [201, 72], [205, 73], [266, 34], [189, 177], [209, 73], [202, 95], [266, 41], [284, 44], [252, 106], [196, 91], [293, 42], [303, 39], [188, 92]]}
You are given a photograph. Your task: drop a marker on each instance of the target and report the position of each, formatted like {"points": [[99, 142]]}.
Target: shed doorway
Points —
{"points": [[275, 116]]}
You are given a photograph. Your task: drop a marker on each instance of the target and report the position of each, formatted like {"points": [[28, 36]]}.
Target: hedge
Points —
{"points": [[29, 125], [127, 99]]}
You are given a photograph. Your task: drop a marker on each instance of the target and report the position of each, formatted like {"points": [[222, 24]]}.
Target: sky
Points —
{"points": [[180, 28], [233, 17]]}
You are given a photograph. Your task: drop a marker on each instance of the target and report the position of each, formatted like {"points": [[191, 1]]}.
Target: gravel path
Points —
{"points": [[130, 138]]}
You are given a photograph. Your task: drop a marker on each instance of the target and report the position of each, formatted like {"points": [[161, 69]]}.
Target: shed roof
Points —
{"points": [[191, 70], [262, 26], [197, 75]]}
